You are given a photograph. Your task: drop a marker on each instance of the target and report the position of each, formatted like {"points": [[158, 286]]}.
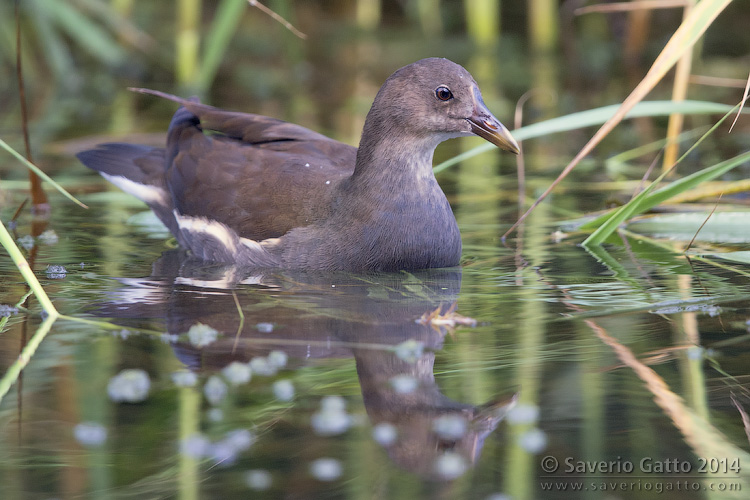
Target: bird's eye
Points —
{"points": [[443, 93]]}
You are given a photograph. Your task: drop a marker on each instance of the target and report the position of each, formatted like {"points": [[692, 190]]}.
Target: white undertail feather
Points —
{"points": [[151, 195]]}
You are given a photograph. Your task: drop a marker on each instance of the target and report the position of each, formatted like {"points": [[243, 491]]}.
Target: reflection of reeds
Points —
{"points": [[705, 439]]}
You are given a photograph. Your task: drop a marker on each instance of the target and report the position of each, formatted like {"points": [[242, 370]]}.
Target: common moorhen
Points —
{"points": [[260, 192]]}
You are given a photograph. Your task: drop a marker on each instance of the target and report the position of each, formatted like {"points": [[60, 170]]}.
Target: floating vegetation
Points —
{"points": [[450, 319], [56, 272], [6, 310]]}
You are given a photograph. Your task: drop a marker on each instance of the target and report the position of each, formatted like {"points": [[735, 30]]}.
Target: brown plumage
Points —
{"points": [[260, 192]]}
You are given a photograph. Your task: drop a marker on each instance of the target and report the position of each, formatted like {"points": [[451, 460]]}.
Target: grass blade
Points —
{"points": [[40, 173], [88, 35], [6, 240], [691, 29], [645, 201], [624, 212], [592, 117], [227, 18]]}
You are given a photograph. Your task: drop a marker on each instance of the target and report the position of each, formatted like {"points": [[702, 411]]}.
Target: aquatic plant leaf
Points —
{"points": [[646, 200], [721, 227], [742, 257]]}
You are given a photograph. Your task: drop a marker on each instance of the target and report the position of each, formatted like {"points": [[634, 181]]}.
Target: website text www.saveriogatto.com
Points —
{"points": [[646, 474]]}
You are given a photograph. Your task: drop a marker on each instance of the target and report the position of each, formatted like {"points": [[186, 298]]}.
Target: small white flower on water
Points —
{"points": [[184, 378], [450, 466], [332, 418], [533, 441], [49, 237], [410, 350], [261, 366], [695, 353], [404, 384], [195, 446], [384, 434], [215, 390], [283, 390], [498, 496], [90, 434], [258, 479], [201, 335], [523, 414], [215, 414], [130, 386], [451, 427], [264, 327], [240, 439], [278, 359], [237, 373], [333, 403], [27, 242], [326, 469]]}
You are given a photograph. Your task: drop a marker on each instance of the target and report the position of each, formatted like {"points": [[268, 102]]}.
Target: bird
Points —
{"points": [[257, 192]]}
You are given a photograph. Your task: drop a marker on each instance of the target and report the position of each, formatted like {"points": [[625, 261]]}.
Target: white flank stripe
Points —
{"points": [[224, 283], [213, 228]]}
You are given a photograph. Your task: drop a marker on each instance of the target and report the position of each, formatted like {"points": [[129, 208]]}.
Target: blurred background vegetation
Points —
{"points": [[80, 56]]}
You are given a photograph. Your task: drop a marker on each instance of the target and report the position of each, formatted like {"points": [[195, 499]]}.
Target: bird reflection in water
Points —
{"points": [[323, 316]]}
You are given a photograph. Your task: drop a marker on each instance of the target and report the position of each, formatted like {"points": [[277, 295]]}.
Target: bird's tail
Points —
{"points": [[137, 170]]}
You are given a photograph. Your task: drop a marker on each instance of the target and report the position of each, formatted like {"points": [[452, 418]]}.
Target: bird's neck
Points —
{"points": [[389, 157]]}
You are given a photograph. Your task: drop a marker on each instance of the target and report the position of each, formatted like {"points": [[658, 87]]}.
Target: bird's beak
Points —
{"points": [[485, 125]]}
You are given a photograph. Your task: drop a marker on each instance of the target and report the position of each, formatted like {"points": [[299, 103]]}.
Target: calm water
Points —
{"points": [[341, 372], [617, 373]]}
